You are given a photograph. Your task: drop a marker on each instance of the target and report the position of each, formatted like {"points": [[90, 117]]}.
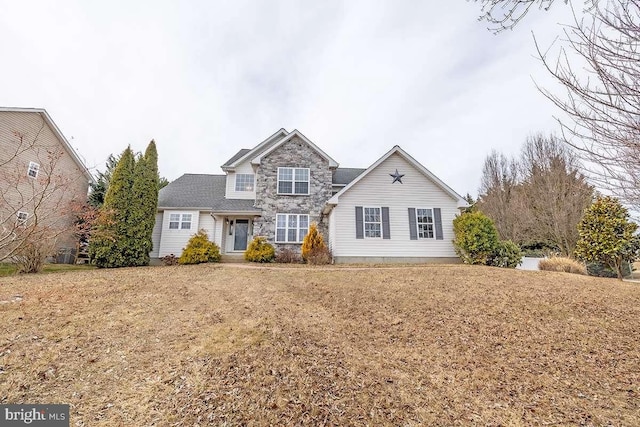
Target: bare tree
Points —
{"points": [[599, 74], [498, 198], [506, 14], [539, 198], [553, 191], [37, 206]]}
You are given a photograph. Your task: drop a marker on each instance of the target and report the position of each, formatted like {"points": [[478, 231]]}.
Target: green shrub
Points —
{"points": [[476, 237], [607, 235], [260, 251], [599, 269], [200, 249], [506, 255], [562, 264]]}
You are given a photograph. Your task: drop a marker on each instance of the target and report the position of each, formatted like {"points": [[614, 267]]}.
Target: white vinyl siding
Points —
{"points": [[293, 181], [376, 190], [291, 228], [172, 241]]}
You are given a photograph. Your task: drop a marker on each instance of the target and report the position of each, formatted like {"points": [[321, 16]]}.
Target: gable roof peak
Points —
{"points": [[426, 172], [58, 133], [257, 159]]}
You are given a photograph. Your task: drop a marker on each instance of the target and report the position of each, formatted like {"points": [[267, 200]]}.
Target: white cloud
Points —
{"points": [[206, 79]]}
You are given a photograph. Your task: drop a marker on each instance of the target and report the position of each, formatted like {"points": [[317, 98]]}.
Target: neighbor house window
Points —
{"points": [[244, 182], [33, 170], [372, 222], [21, 218], [180, 221], [424, 220], [293, 181], [291, 228]]}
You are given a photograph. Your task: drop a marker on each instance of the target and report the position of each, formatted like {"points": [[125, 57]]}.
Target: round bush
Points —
{"points": [[476, 238], [506, 254], [199, 249], [260, 251]]}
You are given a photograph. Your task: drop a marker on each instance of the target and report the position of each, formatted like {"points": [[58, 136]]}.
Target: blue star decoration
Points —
{"points": [[397, 177]]}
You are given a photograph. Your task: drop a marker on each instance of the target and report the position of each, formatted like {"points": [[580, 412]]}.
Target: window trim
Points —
{"points": [[287, 228], [293, 181], [22, 222], [244, 189], [33, 166], [365, 222], [180, 221], [433, 224]]}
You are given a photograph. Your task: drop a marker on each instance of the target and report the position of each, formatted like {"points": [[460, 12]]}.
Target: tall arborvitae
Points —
{"points": [[145, 193], [109, 247]]}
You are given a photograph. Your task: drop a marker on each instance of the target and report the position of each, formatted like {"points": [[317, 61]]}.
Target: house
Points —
{"points": [[41, 177], [393, 211]]}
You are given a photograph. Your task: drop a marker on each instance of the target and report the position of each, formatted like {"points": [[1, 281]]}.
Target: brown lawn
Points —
{"points": [[226, 345]]}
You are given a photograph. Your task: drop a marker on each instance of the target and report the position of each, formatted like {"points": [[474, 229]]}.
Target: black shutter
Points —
{"points": [[359, 223], [413, 226], [437, 217], [386, 232]]}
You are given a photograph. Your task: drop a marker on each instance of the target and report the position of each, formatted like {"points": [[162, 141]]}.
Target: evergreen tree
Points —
{"points": [[143, 213], [312, 243], [108, 248], [99, 189], [607, 236]]}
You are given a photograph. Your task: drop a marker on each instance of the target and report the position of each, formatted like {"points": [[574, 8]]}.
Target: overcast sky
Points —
{"points": [[205, 78]]}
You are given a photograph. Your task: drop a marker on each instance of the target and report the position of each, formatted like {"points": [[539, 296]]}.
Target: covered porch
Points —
{"points": [[236, 231]]}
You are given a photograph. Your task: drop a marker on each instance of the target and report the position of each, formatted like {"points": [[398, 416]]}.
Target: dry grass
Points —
{"points": [[223, 345], [562, 265]]}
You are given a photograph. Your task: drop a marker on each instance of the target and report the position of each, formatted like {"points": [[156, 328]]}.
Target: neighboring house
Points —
{"points": [[41, 178], [393, 211]]}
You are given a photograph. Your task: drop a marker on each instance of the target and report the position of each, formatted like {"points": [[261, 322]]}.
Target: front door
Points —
{"points": [[240, 235]]}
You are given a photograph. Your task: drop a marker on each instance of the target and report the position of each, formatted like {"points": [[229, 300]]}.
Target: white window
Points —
{"points": [[293, 181], [185, 224], [180, 221], [372, 222], [424, 220], [244, 182], [21, 218], [33, 170], [291, 228]]}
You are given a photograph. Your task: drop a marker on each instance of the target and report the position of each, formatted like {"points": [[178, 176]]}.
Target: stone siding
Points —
{"points": [[293, 153]]}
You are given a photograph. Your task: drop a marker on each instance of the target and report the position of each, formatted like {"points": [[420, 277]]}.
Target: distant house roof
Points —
{"points": [[56, 131], [343, 176], [201, 191]]}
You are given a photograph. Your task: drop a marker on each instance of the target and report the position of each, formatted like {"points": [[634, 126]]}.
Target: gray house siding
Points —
{"points": [[293, 153]]}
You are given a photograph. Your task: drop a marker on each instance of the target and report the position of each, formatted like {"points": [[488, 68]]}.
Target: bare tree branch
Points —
{"points": [[599, 76]]}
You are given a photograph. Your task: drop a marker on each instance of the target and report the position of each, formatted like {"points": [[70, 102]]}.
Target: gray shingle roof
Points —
{"points": [[343, 176], [200, 191], [236, 156]]}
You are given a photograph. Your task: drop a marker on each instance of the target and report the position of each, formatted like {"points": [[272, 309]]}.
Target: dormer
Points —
{"points": [[241, 174]]}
